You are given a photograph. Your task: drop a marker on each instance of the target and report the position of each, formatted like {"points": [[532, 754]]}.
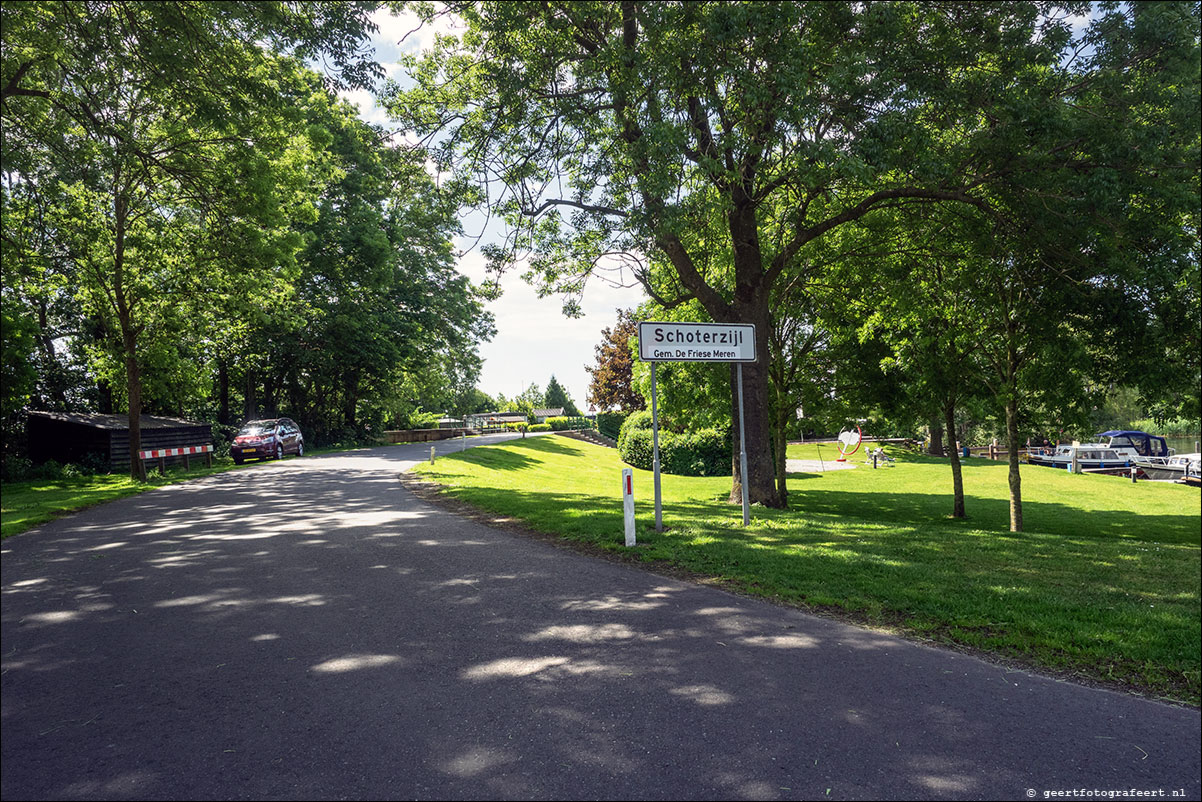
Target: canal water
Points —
{"points": [[1183, 444]]}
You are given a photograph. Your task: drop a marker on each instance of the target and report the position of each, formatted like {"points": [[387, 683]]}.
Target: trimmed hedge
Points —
{"points": [[608, 422], [705, 452], [539, 427], [563, 423]]}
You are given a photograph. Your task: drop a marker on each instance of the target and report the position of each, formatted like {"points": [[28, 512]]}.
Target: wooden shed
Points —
{"points": [[71, 436]]}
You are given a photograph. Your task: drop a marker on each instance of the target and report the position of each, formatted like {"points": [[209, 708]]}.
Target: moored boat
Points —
{"points": [[1175, 468], [1113, 451]]}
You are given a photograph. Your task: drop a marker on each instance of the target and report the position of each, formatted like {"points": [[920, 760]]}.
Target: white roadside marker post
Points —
{"points": [[628, 504], [431, 455]]}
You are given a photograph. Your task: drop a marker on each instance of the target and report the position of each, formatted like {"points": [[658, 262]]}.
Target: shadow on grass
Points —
{"points": [[1040, 517], [1095, 604]]}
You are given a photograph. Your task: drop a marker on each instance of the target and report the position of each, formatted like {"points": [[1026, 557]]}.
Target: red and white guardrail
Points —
{"points": [[161, 455], [157, 453]]}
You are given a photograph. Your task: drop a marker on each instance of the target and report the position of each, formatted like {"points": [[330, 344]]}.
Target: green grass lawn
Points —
{"points": [[1103, 585], [24, 505]]}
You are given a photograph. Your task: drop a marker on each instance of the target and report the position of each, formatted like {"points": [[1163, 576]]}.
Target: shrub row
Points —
{"points": [[564, 423], [705, 452], [610, 423], [539, 427]]}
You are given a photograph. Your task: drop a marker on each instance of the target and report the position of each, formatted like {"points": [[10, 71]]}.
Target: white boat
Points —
{"points": [[1175, 468], [1115, 450]]}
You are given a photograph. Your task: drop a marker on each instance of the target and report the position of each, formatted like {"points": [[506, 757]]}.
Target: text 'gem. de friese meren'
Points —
{"points": [[696, 342]]}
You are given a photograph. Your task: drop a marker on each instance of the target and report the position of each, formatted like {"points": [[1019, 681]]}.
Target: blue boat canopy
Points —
{"points": [[1148, 445]]}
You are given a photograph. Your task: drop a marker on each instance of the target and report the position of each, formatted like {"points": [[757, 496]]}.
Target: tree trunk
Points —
{"points": [[104, 396], [1016, 487], [133, 374], [54, 389], [761, 472], [223, 392], [350, 399], [129, 335], [781, 445], [949, 414], [250, 404], [936, 447], [269, 406]]}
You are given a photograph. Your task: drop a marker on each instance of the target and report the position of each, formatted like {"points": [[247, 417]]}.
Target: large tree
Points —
{"points": [[713, 134], [611, 383], [158, 136]]}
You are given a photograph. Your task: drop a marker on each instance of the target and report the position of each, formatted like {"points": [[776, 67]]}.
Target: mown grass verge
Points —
{"points": [[25, 504], [1103, 586]]}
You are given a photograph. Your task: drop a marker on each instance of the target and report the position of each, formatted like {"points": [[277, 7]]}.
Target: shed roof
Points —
{"points": [[549, 412], [99, 421]]}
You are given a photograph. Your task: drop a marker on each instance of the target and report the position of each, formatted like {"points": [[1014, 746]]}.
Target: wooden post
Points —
{"points": [[162, 466]]}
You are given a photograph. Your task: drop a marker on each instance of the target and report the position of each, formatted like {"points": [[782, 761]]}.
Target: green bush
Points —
{"points": [[637, 448], [540, 427], [705, 452], [563, 423], [50, 469], [638, 421], [16, 469], [1173, 428]]}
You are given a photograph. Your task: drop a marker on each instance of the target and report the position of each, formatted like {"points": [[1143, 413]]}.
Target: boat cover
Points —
{"points": [[1148, 445]]}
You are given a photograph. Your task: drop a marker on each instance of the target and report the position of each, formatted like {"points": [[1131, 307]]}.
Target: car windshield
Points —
{"points": [[257, 429]]}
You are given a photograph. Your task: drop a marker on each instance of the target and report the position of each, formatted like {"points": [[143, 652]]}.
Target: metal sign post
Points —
{"points": [[743, 451], [696, 342], [659, 512]]}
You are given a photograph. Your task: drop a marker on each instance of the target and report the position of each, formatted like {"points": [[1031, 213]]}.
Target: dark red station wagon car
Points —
{"points": [[267, 439]]}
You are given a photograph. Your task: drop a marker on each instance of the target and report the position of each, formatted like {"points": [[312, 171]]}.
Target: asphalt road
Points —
{"points": [[310, 630]]}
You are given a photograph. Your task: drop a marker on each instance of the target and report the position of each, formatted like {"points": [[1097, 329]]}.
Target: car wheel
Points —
{"points": [[237, 460], [300, 448], [279, 450]]}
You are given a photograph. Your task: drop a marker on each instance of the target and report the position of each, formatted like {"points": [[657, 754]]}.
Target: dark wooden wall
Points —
{"points": [[73, 440]]}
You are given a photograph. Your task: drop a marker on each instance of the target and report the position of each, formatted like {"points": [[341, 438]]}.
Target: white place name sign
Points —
{"points": [[696, 342]]}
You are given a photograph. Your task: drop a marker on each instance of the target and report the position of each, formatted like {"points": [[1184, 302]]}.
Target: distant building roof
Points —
{"points": [[550, 412], [99, 421], [503, 417]]}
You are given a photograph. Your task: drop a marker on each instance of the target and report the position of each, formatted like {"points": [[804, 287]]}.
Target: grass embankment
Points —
{"points": [[1103, 585]]}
